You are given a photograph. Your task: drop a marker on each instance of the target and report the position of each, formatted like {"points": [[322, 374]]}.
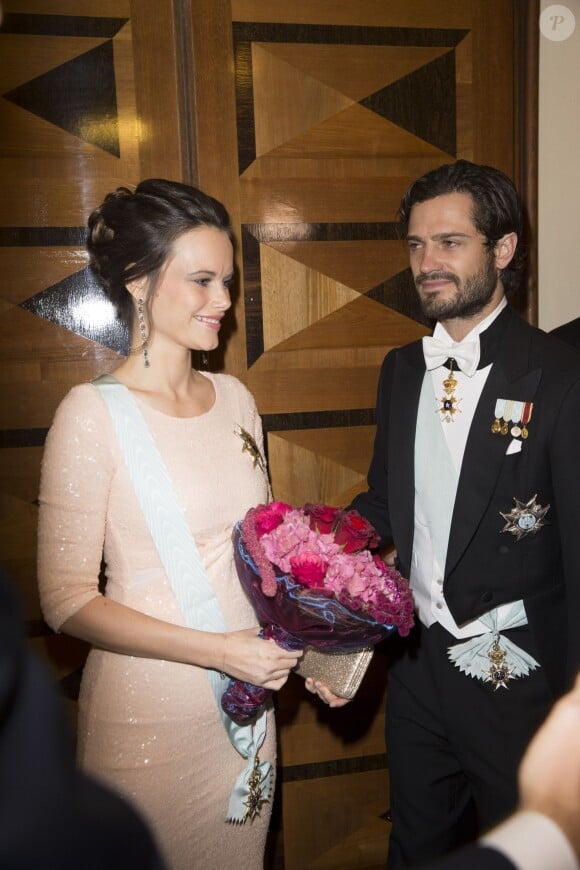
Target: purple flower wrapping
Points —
{"points": [[295, 616]]}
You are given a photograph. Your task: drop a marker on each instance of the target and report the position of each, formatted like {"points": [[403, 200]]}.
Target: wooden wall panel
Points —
{"points": [[84, 107]]}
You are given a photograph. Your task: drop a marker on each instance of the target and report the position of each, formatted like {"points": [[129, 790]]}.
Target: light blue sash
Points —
{"points": [[186, 572]]}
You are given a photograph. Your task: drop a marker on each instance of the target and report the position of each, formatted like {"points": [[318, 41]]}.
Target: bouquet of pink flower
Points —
{"points": [[313, 581]]}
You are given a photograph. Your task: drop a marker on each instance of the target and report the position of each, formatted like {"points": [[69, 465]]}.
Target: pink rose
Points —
{"points": [[309, 569], [354, 532], [322, 517], [270, 516], [290, 538]]}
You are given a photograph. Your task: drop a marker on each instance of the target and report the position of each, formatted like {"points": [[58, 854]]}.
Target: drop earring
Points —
{"points": [[143, 331]]}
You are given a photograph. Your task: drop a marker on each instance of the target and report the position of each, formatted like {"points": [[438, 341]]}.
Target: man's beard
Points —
{"points": [[471, 297]]}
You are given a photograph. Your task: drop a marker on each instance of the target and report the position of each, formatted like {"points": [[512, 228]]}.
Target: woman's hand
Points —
{"points": [[253, 659], [324, 693]]}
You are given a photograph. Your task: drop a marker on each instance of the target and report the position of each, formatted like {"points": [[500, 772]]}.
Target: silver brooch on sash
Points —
{"points": [[250, 447], [525, 518]]}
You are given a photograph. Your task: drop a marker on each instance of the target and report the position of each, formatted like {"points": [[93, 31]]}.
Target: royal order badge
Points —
{"points": [[256, 796], [447, 404], [499, 673], [525, 518]]}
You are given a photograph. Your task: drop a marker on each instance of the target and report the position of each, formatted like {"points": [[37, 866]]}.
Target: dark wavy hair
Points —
{"points": [[497, 208], [132, 232]]}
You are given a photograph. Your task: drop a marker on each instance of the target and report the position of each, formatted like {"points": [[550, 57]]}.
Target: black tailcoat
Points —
{"points": [[486, 566], [569, 332]]}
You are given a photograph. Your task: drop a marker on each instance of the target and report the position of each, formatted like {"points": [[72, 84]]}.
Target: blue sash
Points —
{"points": [[187, 575]]}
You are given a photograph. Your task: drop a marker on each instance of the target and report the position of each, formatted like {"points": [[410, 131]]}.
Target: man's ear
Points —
{"points": [[505, 249]]}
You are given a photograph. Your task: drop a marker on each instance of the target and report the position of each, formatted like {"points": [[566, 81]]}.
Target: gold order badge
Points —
{"points": [[447, 405], [499, 672]]}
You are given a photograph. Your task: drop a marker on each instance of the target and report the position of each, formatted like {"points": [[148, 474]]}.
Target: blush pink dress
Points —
{"points": [[151, 729]]}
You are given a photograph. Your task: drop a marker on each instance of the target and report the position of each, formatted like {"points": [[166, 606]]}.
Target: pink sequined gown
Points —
{"points": [[149, 728]]}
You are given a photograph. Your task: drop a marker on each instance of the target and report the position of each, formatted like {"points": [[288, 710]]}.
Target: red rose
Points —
{"points": [[322, 517], [309, 569], [354, 533], [380, 564], [270, 516]]}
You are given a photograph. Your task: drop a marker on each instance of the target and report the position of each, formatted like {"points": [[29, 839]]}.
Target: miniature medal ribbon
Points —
{"points": [[511, 411]]}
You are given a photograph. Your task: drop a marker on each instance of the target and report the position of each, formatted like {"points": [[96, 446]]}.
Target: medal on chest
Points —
{"points": [[447, 404], [513, 417], [526, 518]]}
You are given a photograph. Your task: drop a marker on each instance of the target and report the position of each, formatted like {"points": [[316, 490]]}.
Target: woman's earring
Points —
{"points": [[143, 331]]}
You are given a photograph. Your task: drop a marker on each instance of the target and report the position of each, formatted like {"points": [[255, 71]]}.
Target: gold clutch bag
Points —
{"points": [[341, 672]]}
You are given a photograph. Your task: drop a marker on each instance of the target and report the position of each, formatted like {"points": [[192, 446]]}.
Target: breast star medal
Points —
{"points": [[525, 518], [498, 673], [250, 447], [448, 403]]}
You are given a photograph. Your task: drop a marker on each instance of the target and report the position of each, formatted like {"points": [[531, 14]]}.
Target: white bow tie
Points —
{"points": [[465, 353]]}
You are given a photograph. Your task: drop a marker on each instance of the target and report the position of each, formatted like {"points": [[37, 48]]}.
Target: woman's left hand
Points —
{"points": [[324, 693]]}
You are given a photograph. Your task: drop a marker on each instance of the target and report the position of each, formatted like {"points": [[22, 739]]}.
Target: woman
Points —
{"points": [[149, 721]]}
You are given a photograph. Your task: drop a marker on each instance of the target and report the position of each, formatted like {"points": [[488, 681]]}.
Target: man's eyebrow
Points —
{"points": [[440, 237]]}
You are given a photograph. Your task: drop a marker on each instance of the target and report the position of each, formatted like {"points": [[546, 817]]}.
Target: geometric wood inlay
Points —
{"points": [[79, 96]]}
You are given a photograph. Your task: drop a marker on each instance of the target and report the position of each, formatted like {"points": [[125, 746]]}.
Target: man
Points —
{"points": [[545, 831], [474, 478]]}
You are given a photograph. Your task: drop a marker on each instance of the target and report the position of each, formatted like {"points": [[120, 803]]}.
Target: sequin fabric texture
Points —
{"points": [[151, 728]]}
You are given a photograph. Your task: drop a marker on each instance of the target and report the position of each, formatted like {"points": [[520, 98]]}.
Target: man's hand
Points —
{"points": [[323, 692], [390, 558]]}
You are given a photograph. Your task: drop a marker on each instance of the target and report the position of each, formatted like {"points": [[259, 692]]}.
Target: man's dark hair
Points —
{"points": [[497, 208]]}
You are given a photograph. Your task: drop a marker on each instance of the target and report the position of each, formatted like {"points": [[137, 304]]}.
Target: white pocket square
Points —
{"points": [[514, 446]]}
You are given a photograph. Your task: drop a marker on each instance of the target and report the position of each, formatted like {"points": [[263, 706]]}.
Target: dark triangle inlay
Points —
{"points": [[399, 294], [423, 103], [79, 303], [31, 24], [80, 97]]}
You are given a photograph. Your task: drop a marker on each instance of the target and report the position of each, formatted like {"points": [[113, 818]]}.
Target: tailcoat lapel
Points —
{"points": [[485, 452], [407, 382]]}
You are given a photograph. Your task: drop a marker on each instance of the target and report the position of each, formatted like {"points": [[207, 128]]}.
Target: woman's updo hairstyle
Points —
{"points": [[131, 233]]}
